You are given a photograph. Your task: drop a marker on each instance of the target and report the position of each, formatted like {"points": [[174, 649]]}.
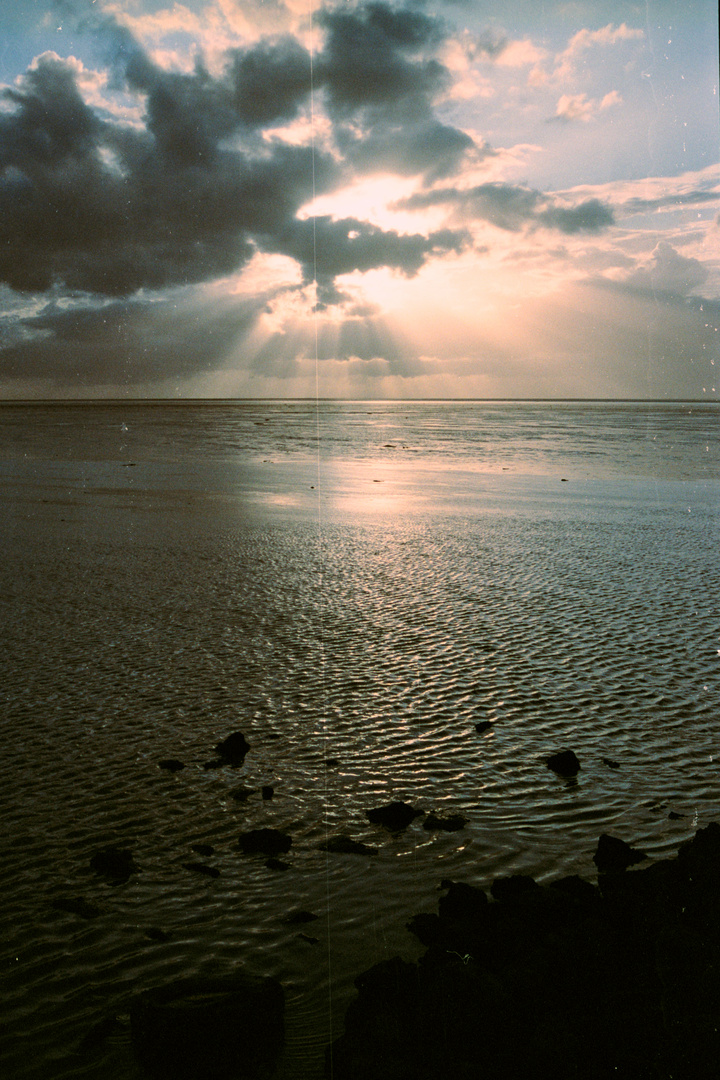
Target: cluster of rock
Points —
{"points": [[557, 982]]}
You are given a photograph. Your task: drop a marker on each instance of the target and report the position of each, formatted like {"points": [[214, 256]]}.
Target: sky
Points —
{"points": [[359, 199]]}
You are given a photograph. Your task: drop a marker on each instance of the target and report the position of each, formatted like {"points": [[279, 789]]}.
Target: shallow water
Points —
{"points": [[361, 582]]}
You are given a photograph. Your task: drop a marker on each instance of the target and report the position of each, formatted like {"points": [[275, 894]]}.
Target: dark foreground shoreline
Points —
{"points": [[567, 981], [553, 982]]}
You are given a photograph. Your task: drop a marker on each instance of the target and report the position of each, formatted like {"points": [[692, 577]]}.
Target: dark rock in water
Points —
{"points": [[447, 824], [483, 725], [672, 816], [514, 889], [203, 849], [267, 791], [265, 842], [310, 940], [560, 982], [576, 888], [395, 816], [75, 905], [242, 793], [171, 764], [345, 845], [217, 1029], [699, 857], [564, 764], [610, 763], [154, 933], [427, 928], [614, 855], [233, 749], [300, 916], [202, 868], [463, 902], [115, 864], [331, 762], [277, 864]]}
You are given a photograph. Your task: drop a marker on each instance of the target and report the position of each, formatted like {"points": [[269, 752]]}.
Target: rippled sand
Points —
{"points": [[158, 594]]}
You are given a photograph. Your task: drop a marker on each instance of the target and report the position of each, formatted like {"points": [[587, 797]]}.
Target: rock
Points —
{"points": [[427, 928], [203, 849], [300, 916], [115, 864], [265, 842], [610, 763], [242, 793], [277, 864], [564, 764], [613, 855], [516, 888], [345, 845], [310, 940], [463, 902], [484, 725], [570, 981], [447, 824], [576, 888], [76, 905], [395, 816], [331, 762], [171, 764], [232, 750], [217, 1029], [267, 791], [699, 857], [672, 816], [202, 868]]}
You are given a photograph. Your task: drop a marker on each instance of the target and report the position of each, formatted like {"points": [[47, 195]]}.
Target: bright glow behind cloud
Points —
{"points": [[450, 206]]}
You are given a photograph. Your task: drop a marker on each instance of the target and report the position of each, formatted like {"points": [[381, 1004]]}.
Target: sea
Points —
{"points": [[354, 586]]}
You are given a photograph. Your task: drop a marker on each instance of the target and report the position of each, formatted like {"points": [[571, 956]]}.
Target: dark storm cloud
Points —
{"points": [[380, 86], [326, 248], [125, 340], [93, 205], [88, 203], [424, 147], [370, 61], [668, 202], [513, 208]]}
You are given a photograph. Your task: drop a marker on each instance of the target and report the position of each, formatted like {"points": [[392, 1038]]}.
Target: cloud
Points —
{"points": [[666, 273], [88, 202], [514, 208], [579, 107], [125, 341], [373, 59], [673, 200], [327, 248], [380, 75], [573, 56]]}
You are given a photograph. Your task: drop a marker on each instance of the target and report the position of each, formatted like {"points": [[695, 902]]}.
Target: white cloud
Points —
{"points": [[567, 62], [520, 54], [580, 107]]}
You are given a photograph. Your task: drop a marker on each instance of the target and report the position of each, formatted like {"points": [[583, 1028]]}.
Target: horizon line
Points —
{"points": [[359, 401]]}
